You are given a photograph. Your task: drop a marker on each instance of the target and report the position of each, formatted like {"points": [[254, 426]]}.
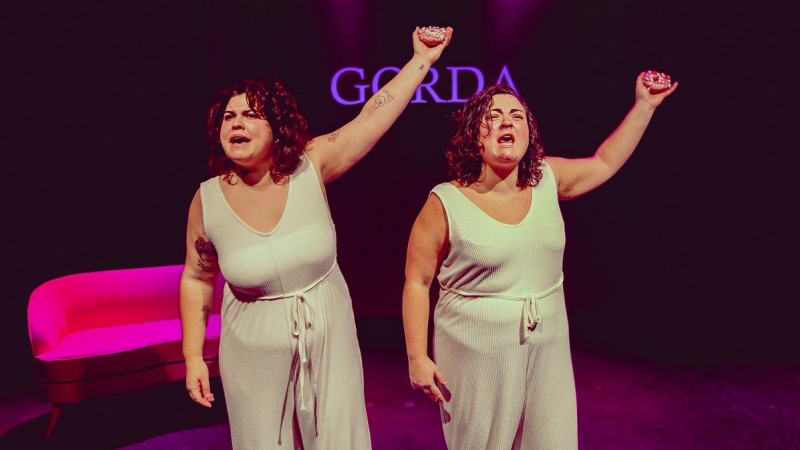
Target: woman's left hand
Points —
{"points": [[431, 54], [653, 87]]}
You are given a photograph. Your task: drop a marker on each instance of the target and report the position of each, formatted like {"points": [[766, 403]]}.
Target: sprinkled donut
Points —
{"points": [[656, 82], [431, 36]]}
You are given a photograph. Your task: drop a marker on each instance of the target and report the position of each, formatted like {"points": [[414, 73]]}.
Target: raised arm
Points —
{"points": [[199, 276], [426, 248], [576, 177], [335, 153]]}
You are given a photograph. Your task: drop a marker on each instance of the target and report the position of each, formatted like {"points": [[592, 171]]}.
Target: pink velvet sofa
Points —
{"points": [[103, 333]]}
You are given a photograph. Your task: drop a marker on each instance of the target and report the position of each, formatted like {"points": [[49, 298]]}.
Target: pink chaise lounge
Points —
{"points": [[103, 333]]}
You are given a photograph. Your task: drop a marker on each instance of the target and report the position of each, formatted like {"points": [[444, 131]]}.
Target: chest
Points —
{"points": [[507, 208], [261, 208]]}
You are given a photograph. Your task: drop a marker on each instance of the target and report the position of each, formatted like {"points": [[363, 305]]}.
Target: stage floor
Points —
{"points": [[622, 404]]}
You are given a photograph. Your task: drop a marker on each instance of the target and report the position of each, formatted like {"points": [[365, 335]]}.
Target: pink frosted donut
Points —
{"points": [[431, 36], [656, 82]]}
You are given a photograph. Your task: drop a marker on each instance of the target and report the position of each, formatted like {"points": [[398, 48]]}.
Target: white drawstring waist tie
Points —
{"points": [[531, 315]]}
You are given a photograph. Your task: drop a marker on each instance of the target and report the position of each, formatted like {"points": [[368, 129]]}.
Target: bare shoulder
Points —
{"points": [[194, 227], [311, 148], [196, 206], [432, 217], [557, 165], [433, 204], [319, 152]]}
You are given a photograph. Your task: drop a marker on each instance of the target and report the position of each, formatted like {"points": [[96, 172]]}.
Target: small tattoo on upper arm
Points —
{"points": [[382, 98], [334, 136], [310, 147], [421, 66], [206, 311], [206, 255]]}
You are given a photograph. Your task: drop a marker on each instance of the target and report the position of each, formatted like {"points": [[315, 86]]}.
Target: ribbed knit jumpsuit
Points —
{"points": [[288, 347], [501, 336]]}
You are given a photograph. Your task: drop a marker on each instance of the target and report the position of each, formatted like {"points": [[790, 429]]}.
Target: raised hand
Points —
{"points": [[653, 87], [430, 52]]}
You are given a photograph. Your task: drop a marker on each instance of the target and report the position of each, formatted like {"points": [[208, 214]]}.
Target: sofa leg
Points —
{"points": [[51, 424]]}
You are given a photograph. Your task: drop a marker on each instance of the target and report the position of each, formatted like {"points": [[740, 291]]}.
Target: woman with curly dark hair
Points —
{"points": [[494, 238], [288, 357]]}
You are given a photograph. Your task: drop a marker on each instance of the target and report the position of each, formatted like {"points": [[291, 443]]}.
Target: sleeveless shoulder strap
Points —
{"points": [[211, 199], [451, 199]]}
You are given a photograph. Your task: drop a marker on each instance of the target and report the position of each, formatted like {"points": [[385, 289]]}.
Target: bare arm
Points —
{"points": [[337, 152], [196, 292], [426, 248], [576, 177]]}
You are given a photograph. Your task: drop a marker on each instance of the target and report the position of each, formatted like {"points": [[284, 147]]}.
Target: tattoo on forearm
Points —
{"points": [[421, 66], [382, 98], [206, 311], [334, 136], [206, 255]]}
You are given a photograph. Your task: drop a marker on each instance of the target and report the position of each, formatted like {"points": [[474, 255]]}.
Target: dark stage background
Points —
{"points": [[687, 256]]}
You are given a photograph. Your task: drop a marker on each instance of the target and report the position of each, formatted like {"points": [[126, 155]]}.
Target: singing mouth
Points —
{"points": [[507, 138], [239, 139]]}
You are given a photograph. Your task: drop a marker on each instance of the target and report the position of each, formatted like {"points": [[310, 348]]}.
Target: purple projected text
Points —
{"points": [[349, 85]]}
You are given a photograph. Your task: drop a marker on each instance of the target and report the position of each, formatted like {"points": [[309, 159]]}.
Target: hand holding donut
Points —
{"points": [[430, 41], [431, 36], [653, 87]]}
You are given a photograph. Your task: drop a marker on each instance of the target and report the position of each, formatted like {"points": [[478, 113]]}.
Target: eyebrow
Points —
{"points": [[513, 110], [243, 111]]}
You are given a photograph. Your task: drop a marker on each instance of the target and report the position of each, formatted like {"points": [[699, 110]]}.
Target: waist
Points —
{"points": [[248, 297], [506, 295]]}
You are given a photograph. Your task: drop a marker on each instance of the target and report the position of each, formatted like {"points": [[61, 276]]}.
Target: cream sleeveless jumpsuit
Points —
{"points": [[289, 358], [501, 337]]}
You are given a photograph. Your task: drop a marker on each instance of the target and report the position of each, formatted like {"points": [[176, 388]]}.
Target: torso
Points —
{"points": [[509, 242], [270, 239]]}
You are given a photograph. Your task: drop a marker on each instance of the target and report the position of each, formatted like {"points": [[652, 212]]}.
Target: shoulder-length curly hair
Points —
{"points": [[271, 100], [464, 149]]}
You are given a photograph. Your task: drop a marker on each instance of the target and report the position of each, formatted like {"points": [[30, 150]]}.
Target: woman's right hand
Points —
{"points": [[424, 374], [197, 382]]}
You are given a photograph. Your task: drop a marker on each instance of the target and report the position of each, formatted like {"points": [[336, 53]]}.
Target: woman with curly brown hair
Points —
{"points": [[289, 358], [494, 238]]}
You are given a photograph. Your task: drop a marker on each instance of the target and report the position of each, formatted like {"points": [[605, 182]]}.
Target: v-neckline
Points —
{"points": [[487, 215], [247, 225]]}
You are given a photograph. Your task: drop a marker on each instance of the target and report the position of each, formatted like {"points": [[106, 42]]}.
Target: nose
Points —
{"points": [[236, 123], [505, 121]]}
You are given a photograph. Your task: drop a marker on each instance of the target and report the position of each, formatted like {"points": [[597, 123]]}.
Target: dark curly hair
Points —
{"points": [[464, 149], [271, 100]]}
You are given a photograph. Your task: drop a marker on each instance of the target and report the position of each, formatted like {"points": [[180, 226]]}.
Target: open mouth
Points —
{"points": [[507, 138], [238, 139]]}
